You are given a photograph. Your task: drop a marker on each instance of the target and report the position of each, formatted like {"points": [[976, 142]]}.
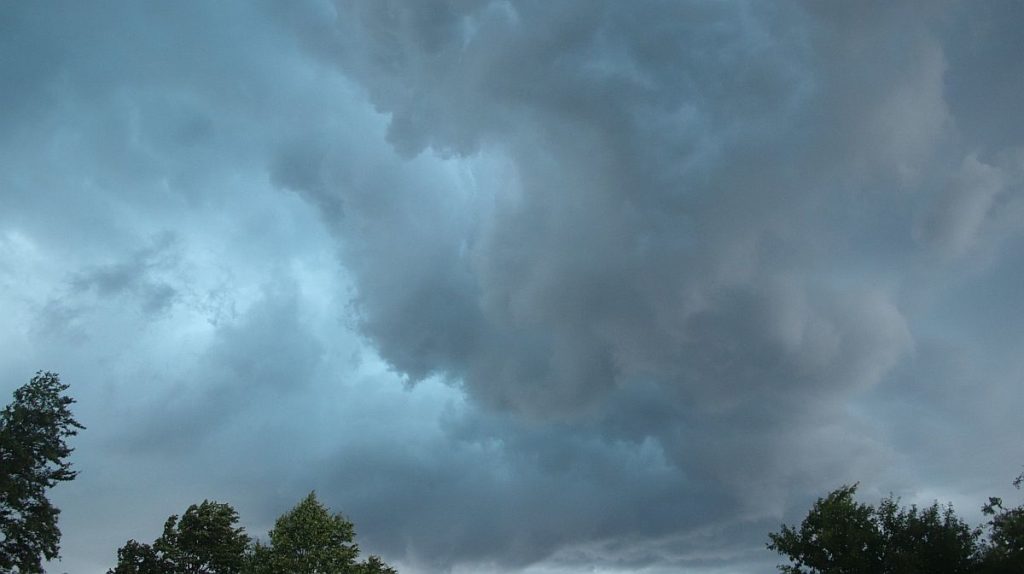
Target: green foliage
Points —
{"points": [[307, 539], [838, 536], [34, 453], [842, 536], [1004, 552], [373, 565], [931, 539], [258, 559], [205, 540], [138, 558]]}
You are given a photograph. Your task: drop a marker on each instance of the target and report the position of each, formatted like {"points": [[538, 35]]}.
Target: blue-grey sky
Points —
{"points": [[518, 286]]}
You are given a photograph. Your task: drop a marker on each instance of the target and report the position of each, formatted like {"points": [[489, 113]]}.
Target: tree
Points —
{"points": [[138, 558], [374, 565], [308, 539], [258, 559], [842, 536], [1004, 552], [931, 539], [838, 536], [205, 540], [34, 453]]}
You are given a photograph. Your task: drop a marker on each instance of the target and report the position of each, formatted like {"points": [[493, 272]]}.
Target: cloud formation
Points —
{"points": [[654, 274], [666, 198]]}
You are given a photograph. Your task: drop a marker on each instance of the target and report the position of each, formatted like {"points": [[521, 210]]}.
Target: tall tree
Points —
{"points": [[205, 540], [309, 539], [34, 452]]}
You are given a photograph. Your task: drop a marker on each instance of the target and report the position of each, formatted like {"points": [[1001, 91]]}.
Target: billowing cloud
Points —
{"points": [[653, 274]]}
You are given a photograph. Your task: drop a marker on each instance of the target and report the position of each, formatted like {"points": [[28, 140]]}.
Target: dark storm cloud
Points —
{"points": [[660, 272], [650, 189], [717, 203]]}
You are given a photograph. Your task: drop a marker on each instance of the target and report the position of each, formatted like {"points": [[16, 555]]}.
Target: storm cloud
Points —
{"points": [[517, 285]]}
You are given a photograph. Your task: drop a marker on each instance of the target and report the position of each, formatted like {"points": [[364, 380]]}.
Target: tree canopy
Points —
{"points": [[34, 452], [842, 536], [308, 539], [205, 540], [1004, 553]]}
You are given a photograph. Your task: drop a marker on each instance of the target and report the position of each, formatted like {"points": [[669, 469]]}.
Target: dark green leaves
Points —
{"points": [[34, 453], [137, 558], [931, 539], [206, 540], [1004, 553], [308, 539], [838, 536], [374, 565], [842, 536]]}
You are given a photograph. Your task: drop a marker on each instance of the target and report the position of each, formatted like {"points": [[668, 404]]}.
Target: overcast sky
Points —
{"points": [[543, 287]]}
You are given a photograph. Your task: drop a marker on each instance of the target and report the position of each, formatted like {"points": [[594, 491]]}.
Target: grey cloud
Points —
{"points": [[262, 353], [961, 211], [674, 262], [515, 508], [595, 259], [588, 274], [134, 276], [143, 281], [984, 79], [676, 190]]}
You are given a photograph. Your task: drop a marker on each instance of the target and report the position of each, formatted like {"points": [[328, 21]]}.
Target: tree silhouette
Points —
{"points": [[309, 539], [34, 453], [842, 536], [205, 540]]}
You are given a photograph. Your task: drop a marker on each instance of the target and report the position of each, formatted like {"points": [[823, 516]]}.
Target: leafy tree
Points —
{"points": [[839, 536], [931, 539], [373, 565], [205, 540], [842, 536], [138, 558], [34, 453], [308, 539], [258, 559], [1004, 552]]}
